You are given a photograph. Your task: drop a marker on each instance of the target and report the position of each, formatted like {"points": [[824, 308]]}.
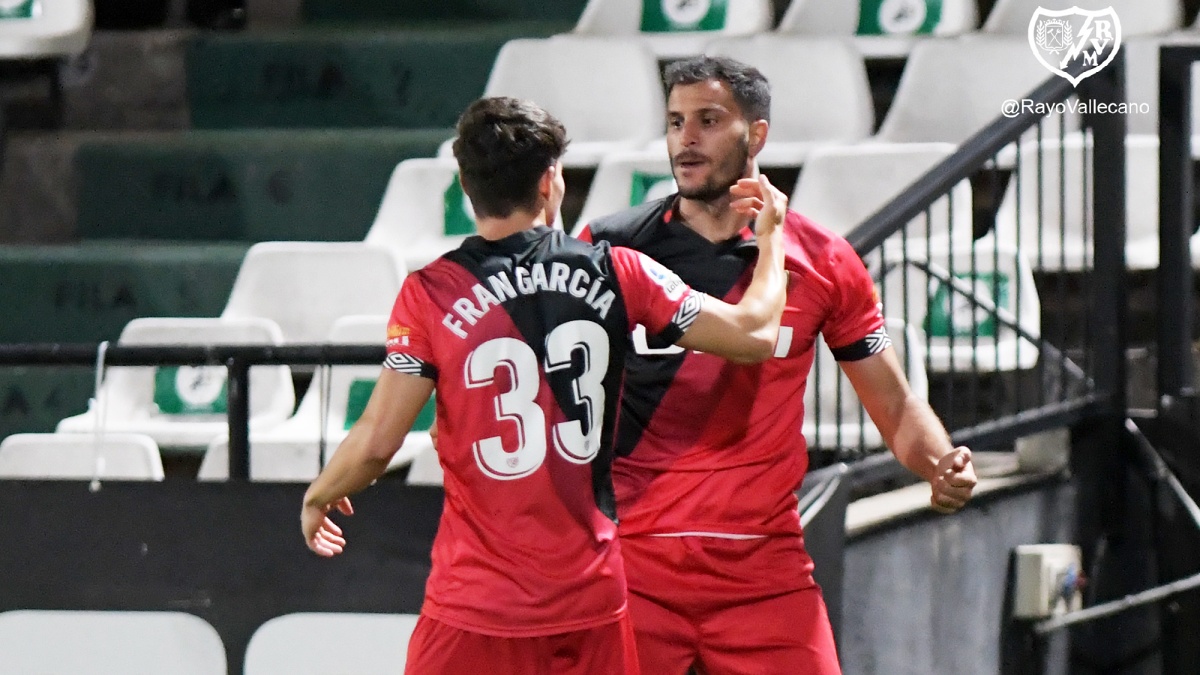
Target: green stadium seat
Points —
{"points": [[88, 292], [342, 78], [240, 185], [260, 185], [347, 11]]}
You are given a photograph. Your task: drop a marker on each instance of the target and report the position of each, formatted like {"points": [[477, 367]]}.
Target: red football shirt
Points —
{"points": [[525, 338], [711, 447]]}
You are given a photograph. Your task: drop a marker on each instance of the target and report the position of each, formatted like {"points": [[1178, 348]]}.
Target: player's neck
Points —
{"points": [[713, 220], [494, 229]]}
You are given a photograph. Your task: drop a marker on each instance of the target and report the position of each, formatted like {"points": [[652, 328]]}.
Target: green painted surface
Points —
{"points": [[248, 186]]}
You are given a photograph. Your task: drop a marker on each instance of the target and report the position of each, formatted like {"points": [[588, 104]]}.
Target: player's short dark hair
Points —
{"points": [[504, 146], [750, 88]]}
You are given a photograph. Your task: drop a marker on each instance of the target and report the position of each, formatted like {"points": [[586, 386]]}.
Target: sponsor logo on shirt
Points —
{"points": [[398, 335], [668, 280]]}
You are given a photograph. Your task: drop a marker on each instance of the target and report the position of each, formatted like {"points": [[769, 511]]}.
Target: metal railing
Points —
{"points": [[1018, 307], [237, 359]]}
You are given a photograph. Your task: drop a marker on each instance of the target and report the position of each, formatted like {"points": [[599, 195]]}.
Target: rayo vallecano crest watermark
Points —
{"points": [[1061, 38]]}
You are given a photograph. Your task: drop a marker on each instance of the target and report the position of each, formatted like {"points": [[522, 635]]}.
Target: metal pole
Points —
{"points": [[238, 399], [1108, 206], [1175, 221]]}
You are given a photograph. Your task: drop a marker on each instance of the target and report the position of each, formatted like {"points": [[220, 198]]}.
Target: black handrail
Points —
{"points": [[237, 359], [972, 154]]}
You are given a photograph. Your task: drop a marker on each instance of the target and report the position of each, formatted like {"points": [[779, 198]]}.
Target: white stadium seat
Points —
{"points": [[424, 212], [671, 28], [184, 407], [1137, 17], [80, 457], [828, 100], [291, 451], [38, 29], [59, 642], [606, 91], [366, 644], [305, 287]]}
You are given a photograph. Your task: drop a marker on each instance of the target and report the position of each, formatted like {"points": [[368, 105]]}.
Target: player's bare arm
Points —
{"points": [[912, 430], [362, 457], [746, 332]]}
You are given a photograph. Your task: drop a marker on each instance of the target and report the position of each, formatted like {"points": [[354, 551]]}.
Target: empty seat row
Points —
{"points": [[177, 643], [609, 95], [881, 28]]}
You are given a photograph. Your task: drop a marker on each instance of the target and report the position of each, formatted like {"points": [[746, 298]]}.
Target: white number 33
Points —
{"points": [[519, 404]]}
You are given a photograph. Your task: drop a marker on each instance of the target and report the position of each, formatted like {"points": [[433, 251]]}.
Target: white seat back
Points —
{"points": [[1137, 17], [367, 644], [833, 73], [37, 29], [841, 186], [291, 451], [625, 179], [101, 643], [424, 212], [834, 418], [80, 457], [306, 286], [606, 91], [820, 17], [951, 89], [961, 334], [674, 29], [185, 405], [1055, 229]]}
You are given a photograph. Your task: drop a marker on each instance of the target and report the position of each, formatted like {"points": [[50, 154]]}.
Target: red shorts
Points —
{"points": [[690, 607], [438, 649]]}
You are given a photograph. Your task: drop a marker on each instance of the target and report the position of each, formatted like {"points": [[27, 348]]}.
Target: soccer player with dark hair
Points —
{"points": [[710, 453], [523, 331]]}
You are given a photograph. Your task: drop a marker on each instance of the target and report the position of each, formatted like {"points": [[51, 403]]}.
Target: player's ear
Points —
{"points": [[758, 136], [546, 182]]}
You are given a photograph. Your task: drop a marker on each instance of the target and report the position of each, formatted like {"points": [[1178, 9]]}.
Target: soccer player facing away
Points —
{"points": [[523, 331], [710, 453]]}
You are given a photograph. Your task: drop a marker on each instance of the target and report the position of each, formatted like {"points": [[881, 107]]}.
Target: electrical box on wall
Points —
{"points": [[1048, 579]]}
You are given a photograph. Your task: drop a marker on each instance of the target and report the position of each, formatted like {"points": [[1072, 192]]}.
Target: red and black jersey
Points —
{"points": [[525, 337], [710, 447]]}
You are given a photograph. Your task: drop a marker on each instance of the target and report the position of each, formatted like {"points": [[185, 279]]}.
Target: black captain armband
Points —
{"points": [[410, 365], [870, 345]]}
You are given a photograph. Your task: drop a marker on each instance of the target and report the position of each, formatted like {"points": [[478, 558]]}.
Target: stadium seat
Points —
{"points": [[882, 28], [834, 419], [292, 451], [951, 89], [33, 29], [674, 29], [424, 212], [245, 185], [95, 642], [426, 468], [606, 91], [826, 101], [1141, 82], [80, 457], [841, 186], [184, 407], [305, 287], [1061, 238], [820, 17], [625, 179], [1137, 17], [966, 301], [366, 644]]}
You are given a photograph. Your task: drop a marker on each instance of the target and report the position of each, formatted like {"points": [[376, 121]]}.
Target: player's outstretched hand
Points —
{"points": [[321, 534], [955, 481], [757, 198]]}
